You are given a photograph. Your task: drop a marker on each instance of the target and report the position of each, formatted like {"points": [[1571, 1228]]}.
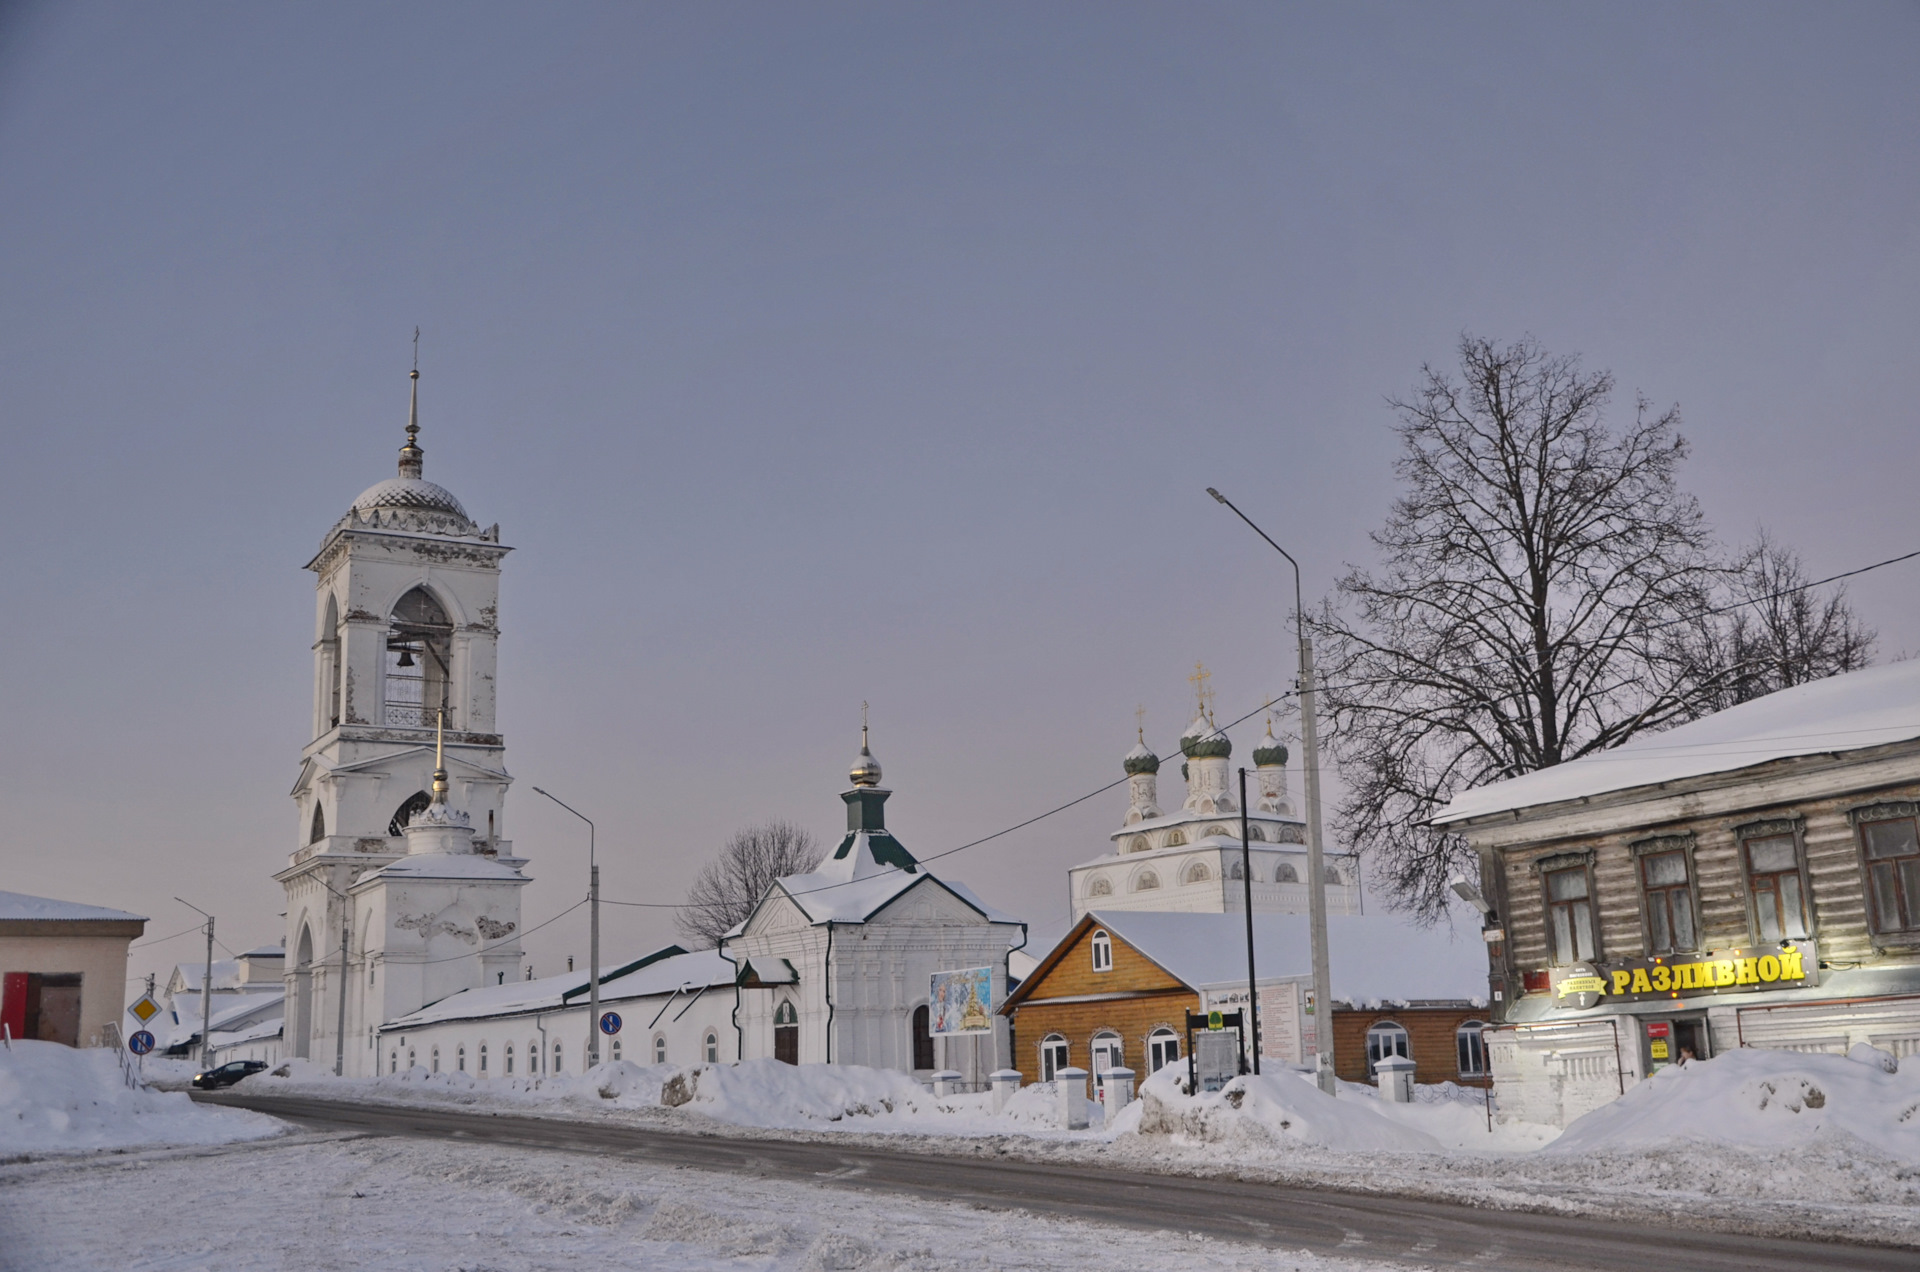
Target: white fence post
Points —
{"points": [[1071, 1088], [1005, 1083], [1118, 1084]]}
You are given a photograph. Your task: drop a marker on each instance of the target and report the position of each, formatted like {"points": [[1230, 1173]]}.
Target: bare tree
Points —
{"points": [[1779, 633], [729, 886], [1521, 616]]}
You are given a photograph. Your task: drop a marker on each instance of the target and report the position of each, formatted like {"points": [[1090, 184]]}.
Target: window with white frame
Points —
{"points": [[1102, 951], [559, 1065], [509, 1056], [436, 1059], [1053, 1056], [616, 1048], [660, 1048], [483, 1057], [712, 1048], [460, 1058], [1385, 1038], [1107, 1054], [1471, 1044], [1163, 1049]]}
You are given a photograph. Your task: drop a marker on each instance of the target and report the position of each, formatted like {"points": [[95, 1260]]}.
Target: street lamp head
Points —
{"points": [[1216, 494], [538, 791]]}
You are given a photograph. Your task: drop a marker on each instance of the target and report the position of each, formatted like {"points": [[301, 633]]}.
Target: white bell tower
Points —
{"points": [[407, 611]]}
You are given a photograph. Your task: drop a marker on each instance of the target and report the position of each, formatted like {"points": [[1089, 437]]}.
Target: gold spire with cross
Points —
{"points": [[866, 769], [1202, 690]]}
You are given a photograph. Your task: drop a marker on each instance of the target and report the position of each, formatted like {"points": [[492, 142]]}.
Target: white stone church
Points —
{"points": [[403, 896]]}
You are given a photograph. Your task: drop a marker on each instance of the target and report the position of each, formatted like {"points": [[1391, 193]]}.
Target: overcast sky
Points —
{"points": [[811, 354]]}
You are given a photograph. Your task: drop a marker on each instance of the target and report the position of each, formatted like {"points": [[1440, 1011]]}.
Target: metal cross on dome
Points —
{"points": [[1202, 690]]}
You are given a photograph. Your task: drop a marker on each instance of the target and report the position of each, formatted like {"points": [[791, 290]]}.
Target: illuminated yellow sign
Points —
{"points": [[1783, 966]]}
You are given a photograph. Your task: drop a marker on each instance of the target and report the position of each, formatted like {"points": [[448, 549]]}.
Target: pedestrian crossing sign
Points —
{"points": [[144, 1008]]}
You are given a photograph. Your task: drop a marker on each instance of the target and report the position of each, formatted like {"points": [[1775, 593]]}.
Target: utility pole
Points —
{"points": [[1246, 879], [206, 987], [1316, 854], [593, 932]]}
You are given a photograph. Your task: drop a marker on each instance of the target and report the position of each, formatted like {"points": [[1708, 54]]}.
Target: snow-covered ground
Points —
{"points": [[350, 1203], [56, 1099]]}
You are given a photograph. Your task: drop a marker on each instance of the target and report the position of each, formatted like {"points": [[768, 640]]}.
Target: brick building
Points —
{"points": [[1441, 1036]]}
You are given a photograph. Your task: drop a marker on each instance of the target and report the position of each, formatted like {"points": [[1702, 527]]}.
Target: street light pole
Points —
{"points": [[1316, 853], [593, 932], [1252, 1021], [206, 987]]}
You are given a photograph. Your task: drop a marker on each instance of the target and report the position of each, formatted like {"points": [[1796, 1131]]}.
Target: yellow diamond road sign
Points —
{"points": [[145, 1009]]}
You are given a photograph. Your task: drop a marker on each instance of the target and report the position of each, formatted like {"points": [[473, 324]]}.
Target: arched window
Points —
{"points": [[616, 1048], [436, 1059], [318, 831], [533, 1057], [1107, 1054], [1053, 1056], [1286, 873], [460, 1058], [1197, 873], [1236, 870], [1102, 951], [413, 1060], [660, 1048], [1469, 1041], [1220, 831], [1333, 876], [1177, 839], [419, 662], [1163, 1049], [1255, 835], [559, 1064], [509, 1058], [393, 1062], [1146, 881], [330, 664], [786, 1033], [1139, 843], [415, 804], [713, 1047], [1100, 887], [483, 1059], [923, 1037], [1385, 1038]]}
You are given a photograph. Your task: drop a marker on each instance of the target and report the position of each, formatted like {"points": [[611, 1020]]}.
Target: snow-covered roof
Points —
{"points": [[1841, 713], [18, 905], [829, 897], [230, 1013], [663, 975], [1372, 957]]}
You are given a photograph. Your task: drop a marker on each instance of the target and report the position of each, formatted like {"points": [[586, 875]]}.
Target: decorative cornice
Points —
{"points": [[1788, 825], [1662, 843], [1562, 860], [1885, 811]]}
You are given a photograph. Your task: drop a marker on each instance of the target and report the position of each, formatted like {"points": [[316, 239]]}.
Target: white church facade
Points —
{"points": [[1189, 858]]}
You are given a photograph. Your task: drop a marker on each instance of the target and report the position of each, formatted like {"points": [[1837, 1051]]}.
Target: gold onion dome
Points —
{"points": [[866, 769], [1203, 740], [1272, 752]]}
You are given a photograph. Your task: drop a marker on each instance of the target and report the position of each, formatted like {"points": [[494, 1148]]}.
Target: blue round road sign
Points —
{"points": [[610, 1022], [140, 1043]]}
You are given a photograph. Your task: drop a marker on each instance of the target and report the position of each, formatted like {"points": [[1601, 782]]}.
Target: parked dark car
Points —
{"points": [[228, 1074]]}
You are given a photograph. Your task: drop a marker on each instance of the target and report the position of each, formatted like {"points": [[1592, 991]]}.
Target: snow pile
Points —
{"points": [[1455, 1115], [1763, 1099], [771, 1093], [1270, 1110], [56, 1098], [618, 1081]]}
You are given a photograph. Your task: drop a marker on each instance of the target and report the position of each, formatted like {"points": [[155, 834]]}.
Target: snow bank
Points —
{"points": [[60, 1099], [618, 1081], [1762, 1099], [1274, 1109], [794, 1096]]}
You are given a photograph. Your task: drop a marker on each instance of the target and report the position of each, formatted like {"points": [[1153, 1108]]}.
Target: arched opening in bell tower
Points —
{"points": [[303, 994], [419, 671], [416, 804], [330, 666]]}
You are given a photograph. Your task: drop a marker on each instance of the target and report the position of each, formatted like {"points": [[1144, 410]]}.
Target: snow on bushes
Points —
{"points": [[1270, 1110], [58, 1098], [1763, 1099]]}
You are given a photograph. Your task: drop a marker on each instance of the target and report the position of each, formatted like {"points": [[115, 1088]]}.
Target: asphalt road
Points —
{"points": [[1419, 1233]]}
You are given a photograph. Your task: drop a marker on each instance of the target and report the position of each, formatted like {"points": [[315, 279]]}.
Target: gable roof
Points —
{"points": [[1849, 712], [664, 971], [828, 896]]}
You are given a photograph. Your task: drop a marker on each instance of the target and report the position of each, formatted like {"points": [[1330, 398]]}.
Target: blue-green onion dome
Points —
{"points": [[1271, 753], [1202, 740], [1141, 760]]}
